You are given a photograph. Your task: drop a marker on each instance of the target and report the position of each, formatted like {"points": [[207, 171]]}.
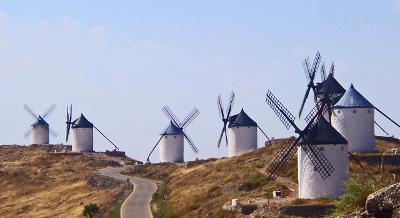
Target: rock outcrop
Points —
{"points": [[383, 203], [103, 182]]}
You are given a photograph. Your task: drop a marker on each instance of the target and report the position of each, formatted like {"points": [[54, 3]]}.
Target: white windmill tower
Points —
{"points": [[82, 133], [322, 152], [240, 130], [353, 117], [40, 129], [334, 146], [171, 141]]}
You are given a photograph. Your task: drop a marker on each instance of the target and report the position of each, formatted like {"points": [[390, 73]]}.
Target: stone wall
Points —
{"points": [[305, 210]]}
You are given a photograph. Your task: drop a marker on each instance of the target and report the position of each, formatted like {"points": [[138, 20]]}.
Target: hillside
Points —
{"points": [[34, 183], [201, 189]]}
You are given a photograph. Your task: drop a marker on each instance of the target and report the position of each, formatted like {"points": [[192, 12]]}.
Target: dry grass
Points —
{"points": [[202, 190], [36, 184]]}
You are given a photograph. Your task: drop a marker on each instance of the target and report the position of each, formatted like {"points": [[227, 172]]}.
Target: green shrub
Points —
{"points": [[355, 196], [164, 210], [90, 210]]}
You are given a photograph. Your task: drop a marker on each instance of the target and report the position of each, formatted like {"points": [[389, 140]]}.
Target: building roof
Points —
{"points": [[334, 86], [40, 122], [172, 129], [324, 134], [353, 99], [241, 119], [82, 122]]}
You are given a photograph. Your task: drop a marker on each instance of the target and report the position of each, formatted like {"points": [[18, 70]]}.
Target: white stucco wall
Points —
{"points": [[357, 128], [241, 139], [311, 184], [40, 135], [171, 149], [82, 139]]}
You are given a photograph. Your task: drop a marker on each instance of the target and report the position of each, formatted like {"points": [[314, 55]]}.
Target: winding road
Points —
{"points": [[137, 205]]}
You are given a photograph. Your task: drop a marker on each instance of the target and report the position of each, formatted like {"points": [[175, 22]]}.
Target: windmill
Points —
{"points": [[172, 138], [353, 117], [336, 90], [322, 152], [40, 129], [240, 130], [82, 133], [318, 159]]}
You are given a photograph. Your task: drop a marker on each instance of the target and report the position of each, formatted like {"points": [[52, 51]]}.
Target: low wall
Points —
{"points": [[392, 159], [305, 210]]}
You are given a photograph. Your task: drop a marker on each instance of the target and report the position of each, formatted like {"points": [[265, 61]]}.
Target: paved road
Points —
{"points": [[137, 205]]}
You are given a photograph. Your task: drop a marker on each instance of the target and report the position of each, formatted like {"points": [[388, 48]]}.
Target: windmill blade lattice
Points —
{"points": [[168, 113], [310, 74], [282, 158], [30, 111], [332, 70], [281, 111], [52, 132], [323, 72], [220, 107], [68, 122], [318, 159], [28, 132], [306, 66], [230, 105], [189, 119], [225, 119], [49, 111], [191, 143]]}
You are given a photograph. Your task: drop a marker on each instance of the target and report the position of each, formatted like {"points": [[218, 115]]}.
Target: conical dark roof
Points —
{"points": [[324, 134], [82, 122], [353, 99], [241, 119], [40, 122], [172, 129], [334, 86]]}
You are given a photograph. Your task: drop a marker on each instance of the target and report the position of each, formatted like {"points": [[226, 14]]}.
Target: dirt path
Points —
{"points": [[137, 205]]}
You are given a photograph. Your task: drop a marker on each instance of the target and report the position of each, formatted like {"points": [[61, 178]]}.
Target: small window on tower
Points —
{"points": [[321, 148], [338, 111], [354, 111], [369, 111], [315, 168], [341, 148], [175, 136], [166, 137]]}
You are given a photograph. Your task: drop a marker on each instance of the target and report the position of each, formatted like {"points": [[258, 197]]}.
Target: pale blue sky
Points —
{"points": [[119, 62]]}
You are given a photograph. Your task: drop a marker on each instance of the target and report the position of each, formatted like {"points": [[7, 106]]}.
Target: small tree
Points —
{"points": [[90, 210]]}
